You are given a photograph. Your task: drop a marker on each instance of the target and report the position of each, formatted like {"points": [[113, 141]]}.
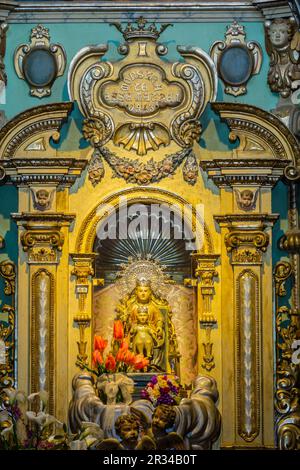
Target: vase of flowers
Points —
{"points": [[113, 385], [163, 389]]}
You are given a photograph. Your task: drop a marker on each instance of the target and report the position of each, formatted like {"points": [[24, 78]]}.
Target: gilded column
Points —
{"points": [[83, 271], [42, 240], [205, 272]]}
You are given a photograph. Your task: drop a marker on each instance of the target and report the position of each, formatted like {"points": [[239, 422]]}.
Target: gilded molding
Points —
{"points": [[42, 334], [259, 132], [248, 362], [246, 171], [41, 121], [57, 171]]}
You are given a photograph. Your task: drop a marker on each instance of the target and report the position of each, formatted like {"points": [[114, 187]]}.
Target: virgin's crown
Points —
{"points": [[138, 29]]}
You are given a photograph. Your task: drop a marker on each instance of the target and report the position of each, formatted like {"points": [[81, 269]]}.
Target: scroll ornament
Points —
{"points": [[141, 112]]}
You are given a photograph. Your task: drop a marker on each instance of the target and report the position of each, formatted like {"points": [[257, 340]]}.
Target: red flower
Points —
{"points": [[118, 330], [140, 362], [124, 344], [99, 343], [110, 363], [97, 358], [120, 355], [129, 358]]}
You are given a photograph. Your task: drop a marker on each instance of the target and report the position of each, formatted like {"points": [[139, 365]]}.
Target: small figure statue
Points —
{"points": [[283, 46], [163, 419], [143, 323], [246, 199], [142, 335], [128, 429]]}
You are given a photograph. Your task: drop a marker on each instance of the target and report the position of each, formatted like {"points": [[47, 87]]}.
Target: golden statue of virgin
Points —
{"points": [[147, 324]]}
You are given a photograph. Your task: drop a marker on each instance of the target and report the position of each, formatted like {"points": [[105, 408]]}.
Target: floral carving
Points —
{"points": [[190, 170], [96, 168], [134, 171]]}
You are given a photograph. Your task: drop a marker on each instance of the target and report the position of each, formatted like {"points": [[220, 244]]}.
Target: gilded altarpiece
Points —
{"points": [[142, 118]]}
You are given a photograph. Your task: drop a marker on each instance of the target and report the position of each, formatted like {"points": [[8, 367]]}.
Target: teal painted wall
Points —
{"points": [[75, 36]]}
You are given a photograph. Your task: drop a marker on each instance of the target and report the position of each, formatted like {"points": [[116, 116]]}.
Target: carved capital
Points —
{"points": [[246, 240], [83, 267], [42, 238]]}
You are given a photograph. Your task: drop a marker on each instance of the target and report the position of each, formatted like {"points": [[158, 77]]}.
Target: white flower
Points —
{"points": [[43, 396], [42, 419], [15, 396]]}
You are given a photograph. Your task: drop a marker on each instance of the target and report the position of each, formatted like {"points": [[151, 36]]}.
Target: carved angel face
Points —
{"points": [[279, 34], [129, 432], [247, 198], [43, 197]]}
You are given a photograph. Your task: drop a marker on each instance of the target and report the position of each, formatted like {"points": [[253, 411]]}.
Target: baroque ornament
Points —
{"points": [[283, 46], [139, 106], [236, 59], [50, 57]]}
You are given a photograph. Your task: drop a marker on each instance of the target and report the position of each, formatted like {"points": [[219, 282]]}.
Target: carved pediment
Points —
{"points": [[142, 103]]}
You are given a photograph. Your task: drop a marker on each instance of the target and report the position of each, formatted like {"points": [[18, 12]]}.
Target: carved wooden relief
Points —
{"points": [[142, 112]]}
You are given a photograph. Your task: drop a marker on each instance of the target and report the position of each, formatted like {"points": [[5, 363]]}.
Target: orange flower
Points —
{"points": [[97, 358], [120, 355], [118, 330], [129, 358], [110, 363], [99, 343], [124, 344], [140, 362]]}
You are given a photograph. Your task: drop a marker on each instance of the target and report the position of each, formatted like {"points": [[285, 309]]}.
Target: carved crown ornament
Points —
{"points": [[142, 112]]}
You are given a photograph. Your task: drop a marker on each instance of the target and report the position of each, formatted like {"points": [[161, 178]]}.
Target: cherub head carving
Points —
{"points": [[127, 427], [283, 46], [246, 199], [280, 31], [163, 418], [42, 199]]}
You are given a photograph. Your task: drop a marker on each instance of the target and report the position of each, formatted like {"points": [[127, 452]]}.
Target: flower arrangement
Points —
{"points": [[163, 390], [22, 428], [119, 359]]}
